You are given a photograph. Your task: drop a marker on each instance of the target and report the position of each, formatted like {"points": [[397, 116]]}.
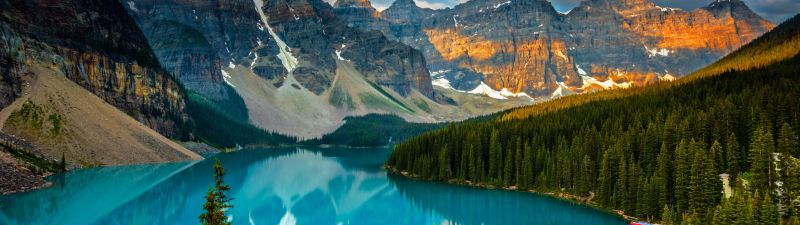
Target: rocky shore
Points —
{"points": [[14, 177]]}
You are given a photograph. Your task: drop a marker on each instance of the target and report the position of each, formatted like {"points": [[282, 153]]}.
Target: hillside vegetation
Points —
{"points": [[661, 153]]}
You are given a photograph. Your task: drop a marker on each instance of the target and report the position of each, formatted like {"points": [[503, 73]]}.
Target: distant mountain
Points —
{"points": [[294, 67], [527, 46]]}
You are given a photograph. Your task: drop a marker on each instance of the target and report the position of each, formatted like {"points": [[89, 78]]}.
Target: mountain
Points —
{"points": [[293, 67], [526, 46], [718, 142], [79, 81]]}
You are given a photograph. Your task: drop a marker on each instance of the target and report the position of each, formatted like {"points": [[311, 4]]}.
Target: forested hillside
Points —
{"points": [[665, 153]]}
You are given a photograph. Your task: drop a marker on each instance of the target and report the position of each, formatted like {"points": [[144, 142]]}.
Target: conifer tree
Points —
{"points": [[217, 200], [734, 156], [761, 150], [787, 141]]}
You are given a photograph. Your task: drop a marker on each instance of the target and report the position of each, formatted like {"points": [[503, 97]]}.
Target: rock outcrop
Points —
{"points": [[96, 45]]}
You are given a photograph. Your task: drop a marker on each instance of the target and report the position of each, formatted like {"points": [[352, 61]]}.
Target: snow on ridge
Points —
{"points": [[435, 73], [444, 83], [507, 93], [664, 9], [608, 84], [231, 65], [656, 51], [484, 89], [502, 4], [580, 71], [226, 77], [667, 77], [560, 91], [252, 64], [339, 54], [132, 6], [287, 59]]}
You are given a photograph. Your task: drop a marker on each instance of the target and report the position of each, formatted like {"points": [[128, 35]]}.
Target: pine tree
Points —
{"points": [[668, 216], [682, 176], [444, 163], [761, 150], [664, 172], [495, 155], [63, 164], [734, 156], [217, 200], [768, 212], [788, 142]]}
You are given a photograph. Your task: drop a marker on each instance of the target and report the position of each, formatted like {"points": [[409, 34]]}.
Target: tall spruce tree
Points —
{"points": [[217, 200], [761, 150]]}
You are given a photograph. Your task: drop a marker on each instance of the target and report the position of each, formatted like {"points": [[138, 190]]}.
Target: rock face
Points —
{"points": [[98, 46], [195, 39], [358, 13], [234, 33], [527, 46], [284, 58], [313, 28]]}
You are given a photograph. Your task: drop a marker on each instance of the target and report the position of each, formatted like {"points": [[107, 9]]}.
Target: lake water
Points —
{"points": [[282, 186]]}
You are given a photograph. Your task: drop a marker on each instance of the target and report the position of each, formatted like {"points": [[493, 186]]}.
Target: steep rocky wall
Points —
{"points": [[98, 46]]}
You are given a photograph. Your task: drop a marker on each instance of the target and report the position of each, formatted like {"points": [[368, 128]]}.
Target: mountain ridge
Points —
{"points": [[577, 52]]}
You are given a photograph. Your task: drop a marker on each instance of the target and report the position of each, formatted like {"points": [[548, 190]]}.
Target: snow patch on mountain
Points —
{"points": [[561, 91], [484, 89], [580, 71], [667, 77], [608, 84], [507, 93], [226, 78], [657, 52], [502, 4], [132, 6], [339, 54], [665, 9], [444, 83], [287, 59]]}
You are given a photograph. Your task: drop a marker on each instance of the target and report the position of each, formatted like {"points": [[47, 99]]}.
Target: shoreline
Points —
{"points": [[584, 201]]}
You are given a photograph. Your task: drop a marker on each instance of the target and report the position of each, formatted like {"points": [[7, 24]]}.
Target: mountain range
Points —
{"points": [[97, 81], [526, 46]]}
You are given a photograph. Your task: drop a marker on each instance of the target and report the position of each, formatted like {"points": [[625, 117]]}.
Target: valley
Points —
{"points": [[335, 112]]}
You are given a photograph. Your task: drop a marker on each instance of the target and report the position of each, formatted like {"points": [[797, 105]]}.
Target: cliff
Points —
{"points": [[526, 46]]}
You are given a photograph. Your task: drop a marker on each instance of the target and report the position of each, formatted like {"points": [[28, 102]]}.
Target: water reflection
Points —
{"points": [[282, 186]]}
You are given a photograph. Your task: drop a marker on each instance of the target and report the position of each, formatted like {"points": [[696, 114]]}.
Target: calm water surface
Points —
{"points": [[282, 186]]}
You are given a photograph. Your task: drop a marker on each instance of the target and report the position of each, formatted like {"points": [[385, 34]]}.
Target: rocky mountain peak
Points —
{"points": [[352, 4], [404, 3], [625, 8], [736, 8], [727, 3], [405, 11]]}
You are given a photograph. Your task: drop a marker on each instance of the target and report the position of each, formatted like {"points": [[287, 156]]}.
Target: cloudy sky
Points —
{"points": [[775, 10]]}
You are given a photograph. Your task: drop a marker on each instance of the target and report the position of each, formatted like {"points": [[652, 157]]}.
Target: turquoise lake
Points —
{"points": [[282, 186]]}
